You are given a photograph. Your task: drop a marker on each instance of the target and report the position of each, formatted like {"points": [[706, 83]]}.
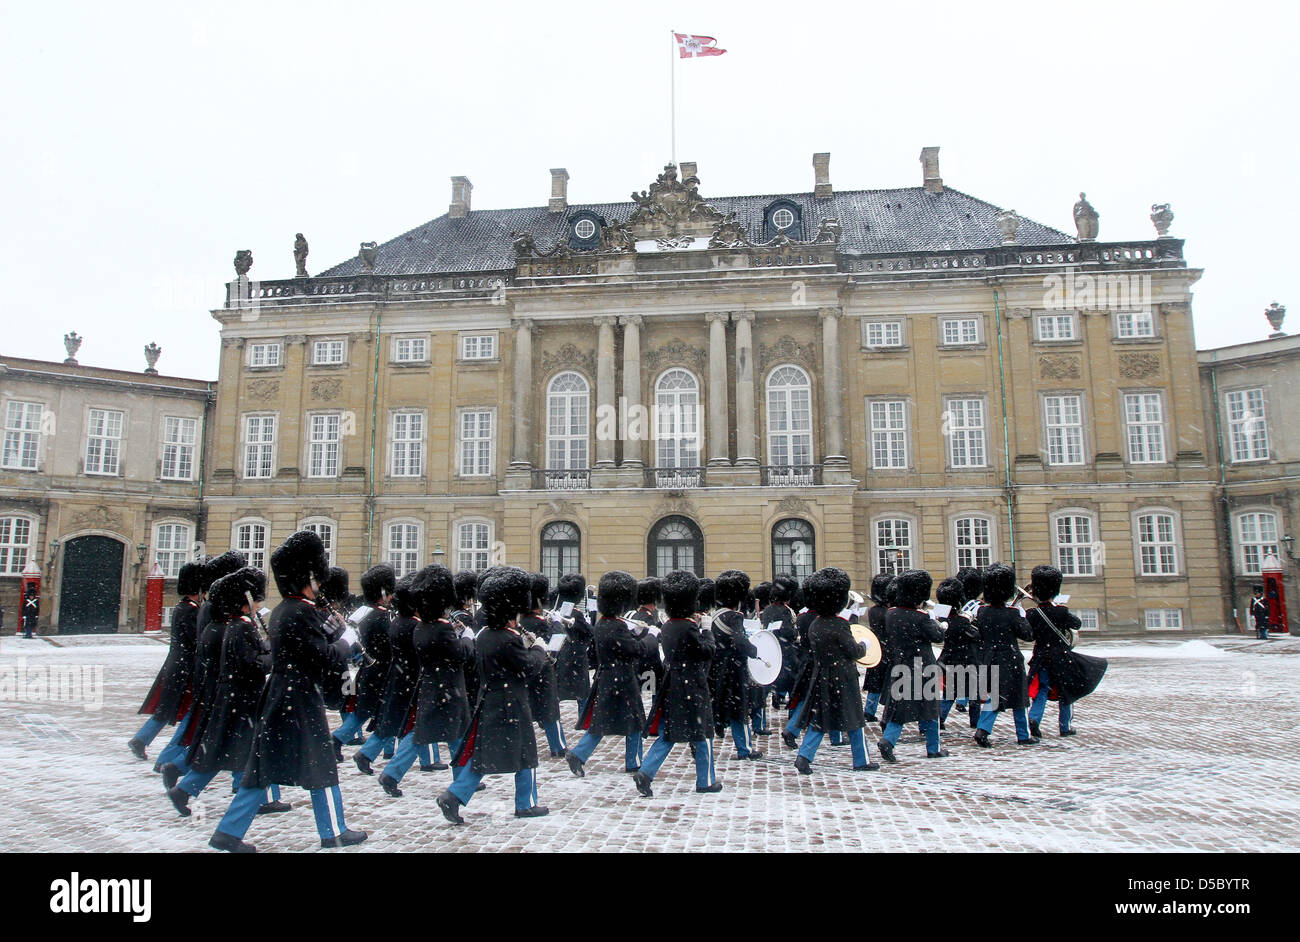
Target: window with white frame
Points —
{"points": [[1163, 619], [1055, 326], [22, 434], [103, 441], [1157, 544], [794, 548], [1247, 428], [1257, 540], [473, 545], [15, 544], [960, 331], [326, 352], [567, 412], [677, 418], [789, 418], [251, 538], [172, 547], [1134, 324], [259, 446], [476, 443], [1075, 545], [1064, 419], [1089, 619], [561, 550], [888, 433], [325, 434], [964, 419], [324, 529], [410, 349], [407, 439], [884, 333], [478, 346], [893, 537], [973, 540], [264, 354], [179, 437], [1144, 419], [402, 547]]}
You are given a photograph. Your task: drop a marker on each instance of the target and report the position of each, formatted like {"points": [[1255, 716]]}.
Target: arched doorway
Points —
{"points": [[675, 543], [90, 597]]}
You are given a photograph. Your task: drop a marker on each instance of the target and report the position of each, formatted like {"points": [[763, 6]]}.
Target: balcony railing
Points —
{"points": [[793, 475], [675, 479], [562, 479]]}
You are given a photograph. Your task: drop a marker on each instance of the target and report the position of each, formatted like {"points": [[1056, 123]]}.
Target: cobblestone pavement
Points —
{"points": [[1187, 745]]}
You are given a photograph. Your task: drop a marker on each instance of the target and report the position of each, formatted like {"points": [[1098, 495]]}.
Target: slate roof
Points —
{"points": [[907, 219]]}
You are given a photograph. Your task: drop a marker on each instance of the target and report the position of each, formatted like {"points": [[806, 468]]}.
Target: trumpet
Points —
{"points": [[1022, 594]]}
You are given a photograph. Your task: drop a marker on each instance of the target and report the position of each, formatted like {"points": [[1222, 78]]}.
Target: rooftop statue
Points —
{"points": [[1085, 219]]}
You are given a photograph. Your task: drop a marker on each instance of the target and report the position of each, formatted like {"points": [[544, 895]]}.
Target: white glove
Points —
{"points": [[654, 630]]}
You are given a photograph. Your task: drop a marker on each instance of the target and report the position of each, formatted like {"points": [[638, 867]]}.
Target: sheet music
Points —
{"points": [[360, 613]]}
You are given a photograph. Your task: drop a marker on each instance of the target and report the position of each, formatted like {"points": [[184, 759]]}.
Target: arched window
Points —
{"points": [[793, 549], [172, 547], [567, 401], [561, 550], [789, 418], [677, 420], [675, 543]]}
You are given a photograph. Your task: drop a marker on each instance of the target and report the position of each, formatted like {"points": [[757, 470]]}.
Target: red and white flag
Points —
{"points": [[692, 47]]}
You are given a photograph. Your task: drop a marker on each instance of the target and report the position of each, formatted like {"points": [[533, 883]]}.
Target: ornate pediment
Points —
{"points": [[569, 357], [785, 350], [672, 207], [100, 518], [677, 353]]}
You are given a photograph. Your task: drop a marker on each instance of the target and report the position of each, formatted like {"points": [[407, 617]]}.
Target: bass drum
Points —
{"points": [[765, 668]]}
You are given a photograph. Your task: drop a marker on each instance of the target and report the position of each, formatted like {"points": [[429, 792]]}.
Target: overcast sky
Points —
{"points": [[144, 143]]}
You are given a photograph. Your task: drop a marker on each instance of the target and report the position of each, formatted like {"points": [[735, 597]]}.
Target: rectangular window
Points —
{"points": [[475, 444], [889, 434], [172, 548], [1074, 545], [974, 542], [884, 333], [22, 435], [404, 548], [1134, 324], [15, 545], [1055, 326], [408, 444], [1157, 546], [411, 349], [1257, 537], [1064, 415], [323, 445], [893, 545], [325, 352], [478, 347], [1143, 415], [1163, 619], [263, 354], [961, 331], [259, 446], [965, 421], [473, 546], [103, 441], [250, 539], [326, 533], [1247, 429], [1089, 619], [179, 436]]}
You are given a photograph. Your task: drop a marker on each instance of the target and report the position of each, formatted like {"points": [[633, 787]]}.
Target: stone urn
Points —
{"points": [[1161, 217], [243, 262], [1276, 313], [1008, 222], [72, 343], [151, 354], [368, 254]]}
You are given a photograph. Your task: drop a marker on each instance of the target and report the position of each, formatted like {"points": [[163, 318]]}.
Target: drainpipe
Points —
{"points": [[201, 518], [1006, 447], [374, 417], [1223, 489]]}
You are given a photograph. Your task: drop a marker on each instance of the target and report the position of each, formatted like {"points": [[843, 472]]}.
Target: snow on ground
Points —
{"points": [[1179, 750]]}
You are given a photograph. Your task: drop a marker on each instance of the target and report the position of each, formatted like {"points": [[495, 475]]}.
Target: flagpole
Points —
{"points": [[672, 84]]}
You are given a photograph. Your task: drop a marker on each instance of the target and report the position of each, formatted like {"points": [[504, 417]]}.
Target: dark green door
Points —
{"points": [[92, 585]]}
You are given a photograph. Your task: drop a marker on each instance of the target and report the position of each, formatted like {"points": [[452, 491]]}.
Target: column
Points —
{"points": [[746, 439], [605, 395], [832, 390], [632, 449], [521, 450], [718, 420]]}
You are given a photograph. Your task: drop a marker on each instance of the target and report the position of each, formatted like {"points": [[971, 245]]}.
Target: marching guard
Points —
{"points": [[377, 586], [401, 681], [874, 679], [1001, 627], [731, 699], [914, 688], [543, 689], [572, 668], [1055, 670], [960, 654]]}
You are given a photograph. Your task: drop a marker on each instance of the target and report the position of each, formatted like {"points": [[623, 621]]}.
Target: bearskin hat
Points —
{"points": [[572, 587], [879, 583], [227, 593], [891, 592], [334, 587], [466, 583], [950, 592], [784, 588], [376, 581], [999, 584], [681, 588], [505, 592], [972, 582], [827, 591], [1045, 583], [540, 588], [434, 592], [731, 588], [616, 593], [217, 566], [298, 560], [763, 594], [705, 599], [913, 588], [404, 598], [649, 591], [189, 581]]}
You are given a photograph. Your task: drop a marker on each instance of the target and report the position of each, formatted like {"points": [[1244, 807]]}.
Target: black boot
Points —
{"points": [[709, 789], [338, 749], [869, 767], [886, 750], [137, 748], [275, 807], [536, 811], [1031, 741], [435, 767], [389, 785], [171, 775], [803, 765], [1069, 732], [982, 739], [1034, 730], [363, 764], [642, 783], [941, 754], [180, 801], [575, 765], [790, 739], [450, 806], [220, 840], [346, 839]]}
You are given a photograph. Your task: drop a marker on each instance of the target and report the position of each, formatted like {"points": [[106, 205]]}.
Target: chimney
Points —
{"points": [[559, 190], [460, 189], [930, 178], [687, 169], [821, 176]]}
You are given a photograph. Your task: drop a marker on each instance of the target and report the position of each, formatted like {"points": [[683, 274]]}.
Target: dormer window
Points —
{"points": [[783, 217], [584, 229]]}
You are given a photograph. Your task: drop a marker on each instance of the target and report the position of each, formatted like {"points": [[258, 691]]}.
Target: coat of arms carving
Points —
{"points": [[1058, 366], [1138, 365]]}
